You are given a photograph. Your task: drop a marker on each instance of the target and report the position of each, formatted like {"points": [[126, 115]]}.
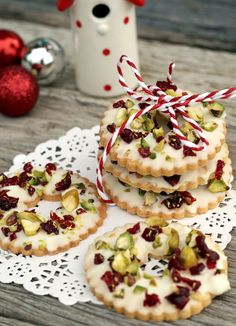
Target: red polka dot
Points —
{"points": [[106, 52], [107, 88], [126, 20], [78, 23]]}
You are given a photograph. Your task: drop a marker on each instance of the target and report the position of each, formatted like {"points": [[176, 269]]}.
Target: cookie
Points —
{"points": [[187, 181], [150, 147], [177, 205], [28, 231], [196, 270]]}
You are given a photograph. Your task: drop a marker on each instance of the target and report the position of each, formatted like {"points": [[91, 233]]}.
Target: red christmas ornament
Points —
{"points": [[12, 48], [19, 91]]}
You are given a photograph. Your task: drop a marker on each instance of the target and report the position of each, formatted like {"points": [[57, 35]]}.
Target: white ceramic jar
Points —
{"points": [[103, 31]]}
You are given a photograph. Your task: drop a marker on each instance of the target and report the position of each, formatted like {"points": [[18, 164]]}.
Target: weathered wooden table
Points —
{"points": [[62, 107]]}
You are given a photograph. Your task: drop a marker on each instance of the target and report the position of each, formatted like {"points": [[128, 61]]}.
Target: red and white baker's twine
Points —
{"points": [[165, 104]]}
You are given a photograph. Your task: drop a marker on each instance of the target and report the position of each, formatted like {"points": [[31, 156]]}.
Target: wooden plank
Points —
{"points": [[208, 24], [62, 107]]}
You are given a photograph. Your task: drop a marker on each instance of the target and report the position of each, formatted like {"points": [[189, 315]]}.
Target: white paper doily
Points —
{"points": [[62, 276]]}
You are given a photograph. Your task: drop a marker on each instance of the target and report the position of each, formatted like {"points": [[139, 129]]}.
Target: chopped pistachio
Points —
{"points": [[149, 198], [217, 186], [209, 126], [159, 147], [129, 104], [119, 294], [125, 241], [121, 117], [139, 289]]}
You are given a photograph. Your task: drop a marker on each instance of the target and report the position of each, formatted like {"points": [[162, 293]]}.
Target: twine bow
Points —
{"points": [[156, 99]]}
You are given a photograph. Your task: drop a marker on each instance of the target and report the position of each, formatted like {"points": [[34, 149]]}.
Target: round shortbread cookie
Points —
{"points": [[187, 181], [196, 270], [147, 204], [79, 213], [165, 157]]}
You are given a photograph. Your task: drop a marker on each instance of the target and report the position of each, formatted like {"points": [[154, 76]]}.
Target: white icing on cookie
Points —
{"points": [[133, 295], [86, 216], [169, 160], [188, 180], [129, 198]]}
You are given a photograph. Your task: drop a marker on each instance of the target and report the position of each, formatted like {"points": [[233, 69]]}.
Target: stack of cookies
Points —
{"points": [[150, 172]]}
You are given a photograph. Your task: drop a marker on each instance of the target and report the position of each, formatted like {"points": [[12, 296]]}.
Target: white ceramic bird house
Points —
{"points": [[103, 31]]}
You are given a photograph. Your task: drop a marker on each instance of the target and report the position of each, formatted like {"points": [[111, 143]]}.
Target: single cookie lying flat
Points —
{"points": [[149, 146], [177, 205], [196, 272], [187, 181], [27, 231]]}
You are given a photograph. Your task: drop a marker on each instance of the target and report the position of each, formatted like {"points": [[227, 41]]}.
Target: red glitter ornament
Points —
{"points": [[12, 48], [19, 91]]}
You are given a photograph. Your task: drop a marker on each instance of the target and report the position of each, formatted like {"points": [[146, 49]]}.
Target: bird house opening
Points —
{"points": [[101, 11]]}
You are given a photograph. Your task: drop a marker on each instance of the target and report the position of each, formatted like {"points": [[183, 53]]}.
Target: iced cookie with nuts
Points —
{"points": [[196, 270], [149, 146], [178, 204], [187, 181], [24, 229]]}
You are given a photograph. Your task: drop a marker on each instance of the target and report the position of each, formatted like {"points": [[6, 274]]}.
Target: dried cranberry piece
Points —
{"points": [[219, 169], [188, 198], [111, 128], [179, 298], [19, 227], [135, 229], [119, 104], [143, 105], [7, 202], [112, 279], [1, 216], [11, 220], [202, 246], [213, 256], [144, 152], [165, 85], [159, 139], [127, 135], [64, 183], [5, 231], [55, 217], [173, 180], [151, 300], [173, 202], [175, 275], [174, 142], [28, 167], [139, 134], [31, 190], [187, 151], [49, 167], [175, 263], [150, 234], [28, 247], [194, 284], [14, 181], [80, 211], [13, 236], [197, 269], [49, 227], [23, 179], [68, 218], [98, 259]]}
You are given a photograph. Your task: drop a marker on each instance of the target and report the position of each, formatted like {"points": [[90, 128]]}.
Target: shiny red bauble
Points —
{"points": [[19, 91], [12, 48]]}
